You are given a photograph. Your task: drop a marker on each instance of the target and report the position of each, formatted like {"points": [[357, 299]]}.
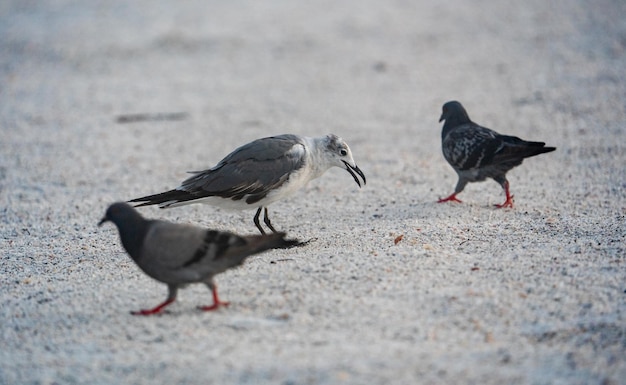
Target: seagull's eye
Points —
{"points": [[343, 152]]}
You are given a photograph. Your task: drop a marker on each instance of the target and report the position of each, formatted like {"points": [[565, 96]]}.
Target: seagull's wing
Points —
{"points": [[251, 171]]}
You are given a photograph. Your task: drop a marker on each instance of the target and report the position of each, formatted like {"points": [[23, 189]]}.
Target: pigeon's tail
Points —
{"points": [[525, 149], [165, 199], [260, 243], [535, 148], [250, 245]]}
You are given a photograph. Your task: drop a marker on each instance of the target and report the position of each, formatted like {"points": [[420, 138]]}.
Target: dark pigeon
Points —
{"points": [[259, 173], [178, 254], [477, 153]]}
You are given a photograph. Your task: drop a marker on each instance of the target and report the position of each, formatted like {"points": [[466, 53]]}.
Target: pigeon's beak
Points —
{"points": [[104, 219], [352, 169]]}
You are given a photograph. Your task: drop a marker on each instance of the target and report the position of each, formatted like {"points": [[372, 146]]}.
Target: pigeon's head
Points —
{"points": [[120, 213], [454, 113], [338, 154]]}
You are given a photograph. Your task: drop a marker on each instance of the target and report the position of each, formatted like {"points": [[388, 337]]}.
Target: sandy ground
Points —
{"points": [[470, 295]]}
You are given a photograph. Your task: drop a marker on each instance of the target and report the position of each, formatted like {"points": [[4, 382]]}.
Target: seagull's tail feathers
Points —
{"points": [[165, 199]]}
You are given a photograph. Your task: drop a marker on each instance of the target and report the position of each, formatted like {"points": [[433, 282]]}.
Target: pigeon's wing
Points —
{"points": [[470, 146], [251, 171], [178, 253], [171, 245]]}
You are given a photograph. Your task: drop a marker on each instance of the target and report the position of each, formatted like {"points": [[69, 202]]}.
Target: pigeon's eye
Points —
{"points": [[343, 152]]}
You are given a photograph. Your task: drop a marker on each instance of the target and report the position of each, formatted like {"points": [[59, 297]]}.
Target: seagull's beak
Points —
{"points": [[352, 169], [104, 219]]}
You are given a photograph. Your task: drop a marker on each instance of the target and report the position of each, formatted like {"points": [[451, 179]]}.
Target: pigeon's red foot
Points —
{"points": [[216, 302], [146, 312], [507, 203], [509, 198], [156, 310], [451, 198], [215, 306]]}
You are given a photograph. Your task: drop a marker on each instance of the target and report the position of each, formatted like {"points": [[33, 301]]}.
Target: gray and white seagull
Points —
{"points": [[477, 153], [260, 173]]}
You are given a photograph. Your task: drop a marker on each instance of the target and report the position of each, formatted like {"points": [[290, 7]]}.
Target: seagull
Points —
{"points": [[259, 173], [178, 254], [477, 153]]}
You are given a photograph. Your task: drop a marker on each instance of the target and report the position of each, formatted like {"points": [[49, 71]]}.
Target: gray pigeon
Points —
{"points": [[477, 153], [178, 255], [259, 173]]}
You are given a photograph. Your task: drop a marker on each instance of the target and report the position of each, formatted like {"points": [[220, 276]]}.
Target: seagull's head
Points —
{"points": [[338, 154]]}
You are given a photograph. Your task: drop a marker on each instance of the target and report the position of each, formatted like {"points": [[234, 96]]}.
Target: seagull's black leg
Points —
{"points": [[256, 221], [267, 221]]}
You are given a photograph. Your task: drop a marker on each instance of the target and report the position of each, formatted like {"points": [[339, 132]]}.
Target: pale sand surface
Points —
{"points": [[470, 295]]}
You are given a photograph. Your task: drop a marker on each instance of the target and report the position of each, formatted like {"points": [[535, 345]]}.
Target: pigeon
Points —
{"points": [[477, 153], [259, 173], [178, 254]]}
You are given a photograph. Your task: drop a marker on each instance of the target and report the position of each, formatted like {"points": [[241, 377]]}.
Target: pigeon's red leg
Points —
{"points": [[156, 310], [452, 198], [171, 297], [509, 198], [216, 301]]}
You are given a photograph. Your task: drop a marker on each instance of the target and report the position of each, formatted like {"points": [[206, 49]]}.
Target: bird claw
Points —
{"points": [[146, 312], [215, 306], [155, 310], [507, 203], [451, 198]]}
